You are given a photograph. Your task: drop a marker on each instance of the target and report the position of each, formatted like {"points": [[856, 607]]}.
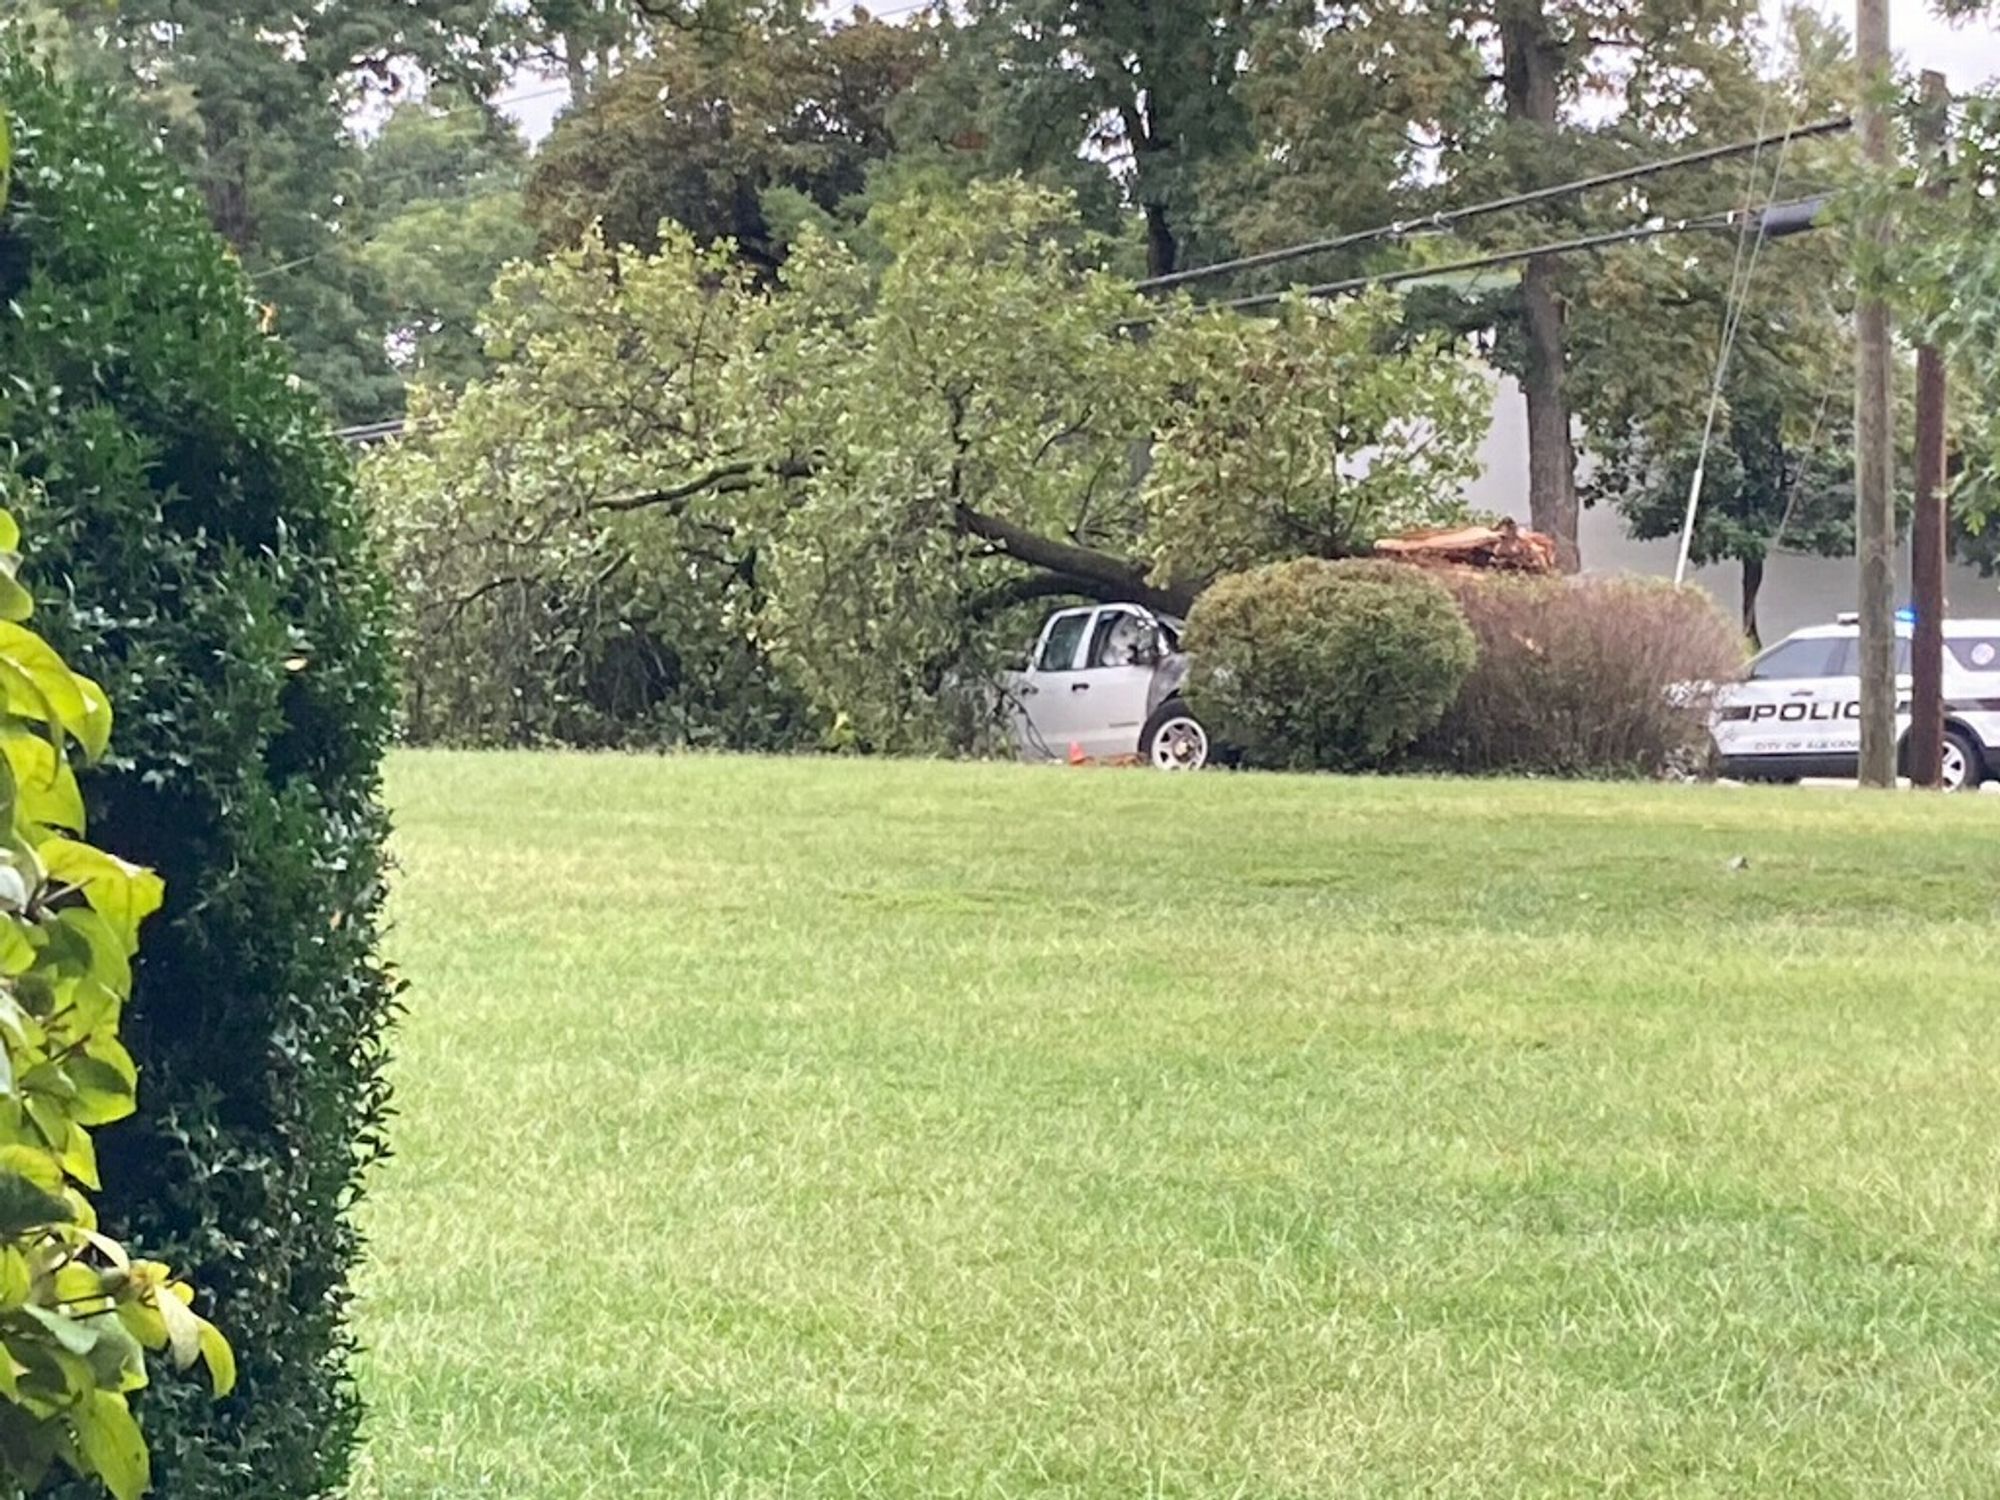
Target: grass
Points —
{"points": [[846, 1129]]}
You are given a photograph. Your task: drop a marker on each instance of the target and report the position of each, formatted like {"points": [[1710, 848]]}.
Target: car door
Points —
{"points": [[1793, 706], [1972, 683], [1042, 700], [1112, 682], [1087, 685]]}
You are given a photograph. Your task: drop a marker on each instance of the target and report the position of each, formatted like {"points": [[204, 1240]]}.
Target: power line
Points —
{"points": [[1725, 220], [1441, 221]]}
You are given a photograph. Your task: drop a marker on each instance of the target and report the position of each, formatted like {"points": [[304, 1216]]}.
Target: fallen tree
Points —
{"points": [[856, 481]]}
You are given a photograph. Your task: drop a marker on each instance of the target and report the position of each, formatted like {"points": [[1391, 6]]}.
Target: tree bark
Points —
{"points": [[1874, 495], [1163, 250], [1753, 584], [1552, 504], [1530, 65], [1927, 526], [1098, 575]]}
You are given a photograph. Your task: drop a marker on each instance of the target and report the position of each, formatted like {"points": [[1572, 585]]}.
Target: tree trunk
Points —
{"points": [[1552, 506], [1531, 60], [1753, 583], [1162, 249]]}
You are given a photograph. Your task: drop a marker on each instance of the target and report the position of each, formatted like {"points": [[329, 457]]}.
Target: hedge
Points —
{"points": [[1330, 666], [1590, 676], [194, 525]]}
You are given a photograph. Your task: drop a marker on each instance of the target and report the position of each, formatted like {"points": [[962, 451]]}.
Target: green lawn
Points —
{"points": [[854, 1129]]}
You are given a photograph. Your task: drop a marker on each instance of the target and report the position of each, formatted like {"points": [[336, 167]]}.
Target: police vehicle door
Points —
{"points": [[1793, 704]]}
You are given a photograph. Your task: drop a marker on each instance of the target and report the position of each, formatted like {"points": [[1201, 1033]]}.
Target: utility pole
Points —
{"points": [[1928, 525], [1874, 504]]}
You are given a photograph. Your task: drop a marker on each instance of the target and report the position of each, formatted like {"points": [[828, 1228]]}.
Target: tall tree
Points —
{"points": [[255, 99], [1459, 102], [1147, 94], [1650, 328], [438, 211], [703, 129]]}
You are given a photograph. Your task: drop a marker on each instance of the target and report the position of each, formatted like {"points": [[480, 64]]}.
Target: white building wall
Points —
{"points": [[1798, 589]]}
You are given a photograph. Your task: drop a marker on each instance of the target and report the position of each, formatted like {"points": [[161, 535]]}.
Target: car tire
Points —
{"points": [[1174, 739], [1960, 746]]}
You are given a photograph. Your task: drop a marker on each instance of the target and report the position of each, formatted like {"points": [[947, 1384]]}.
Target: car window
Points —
{"points": [[1848, 662], [1059, 645], [1804, 658], [1117, 639], [1976, 653]]}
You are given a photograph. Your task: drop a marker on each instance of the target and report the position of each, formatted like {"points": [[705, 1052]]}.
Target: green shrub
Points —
{"points": [[76, 1311], [1325, 665], [191, 504], [1579, 677]]}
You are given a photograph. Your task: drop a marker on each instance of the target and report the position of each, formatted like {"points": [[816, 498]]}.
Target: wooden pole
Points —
{"points": [[1874, 503], [1927, 529]]}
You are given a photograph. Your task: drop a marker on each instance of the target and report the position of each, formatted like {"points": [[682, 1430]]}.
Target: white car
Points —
{"points": [[1798, 712], [1105, 680]]}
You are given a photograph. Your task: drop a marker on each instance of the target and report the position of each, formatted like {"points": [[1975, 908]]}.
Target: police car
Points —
{"points": [[1798, 712]]}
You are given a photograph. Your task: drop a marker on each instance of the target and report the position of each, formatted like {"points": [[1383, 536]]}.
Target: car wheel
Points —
{"points": [[1173, 739], [1962, 766]]}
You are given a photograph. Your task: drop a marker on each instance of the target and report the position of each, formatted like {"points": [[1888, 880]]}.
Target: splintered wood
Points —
{"points": [[1504, 548]]}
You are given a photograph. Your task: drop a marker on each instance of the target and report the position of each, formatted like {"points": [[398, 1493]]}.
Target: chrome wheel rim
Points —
{"points": [[1180, 745]]}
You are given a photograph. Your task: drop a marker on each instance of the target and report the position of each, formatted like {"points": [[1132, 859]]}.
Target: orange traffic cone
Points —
{"points": [[1076, 755]]}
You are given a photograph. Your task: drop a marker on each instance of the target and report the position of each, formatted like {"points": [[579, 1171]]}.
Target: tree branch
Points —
{"points": [[1101, 575], [723, 479]]}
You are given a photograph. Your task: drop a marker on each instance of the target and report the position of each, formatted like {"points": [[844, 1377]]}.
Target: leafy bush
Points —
{"points": [[180, 487], [76, 1312], [1326, 665], [1577, 676]]}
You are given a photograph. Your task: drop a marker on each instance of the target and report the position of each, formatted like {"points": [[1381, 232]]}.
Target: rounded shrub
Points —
{"points": [[195, 525], [1325, 665], [1584, 676]]}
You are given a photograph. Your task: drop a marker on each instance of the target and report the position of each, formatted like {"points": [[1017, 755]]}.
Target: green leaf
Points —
{"points": [[94, 733], [14, 1280], [219, 1357], [123, 894], [78, 1337], [143, 1321], [104, 950], [17, 953], [37, 1168], [183, 1328], [111, 1052], [103, 1093], [77, 1282], [26, 1206], [53, 693], [111, 1444], [79, 1157], [50, 1118], [118, 1361], [45, 787], [16, 603], [10, 529]]}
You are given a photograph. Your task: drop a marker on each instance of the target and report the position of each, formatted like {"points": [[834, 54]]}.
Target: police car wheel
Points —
{"points": [[1961, 765]]}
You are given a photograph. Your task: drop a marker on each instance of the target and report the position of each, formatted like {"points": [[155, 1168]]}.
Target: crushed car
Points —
{"points": [[1103, 683]]}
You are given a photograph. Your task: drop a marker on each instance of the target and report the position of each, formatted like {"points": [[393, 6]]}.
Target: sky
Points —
{"points": [[1967, 54]]}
